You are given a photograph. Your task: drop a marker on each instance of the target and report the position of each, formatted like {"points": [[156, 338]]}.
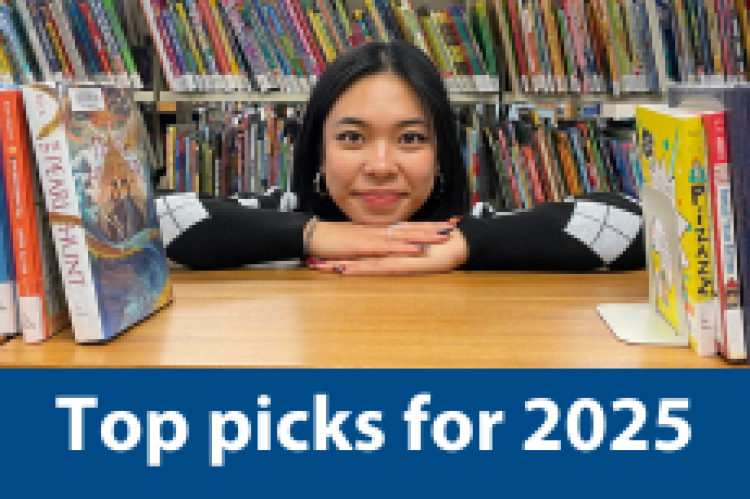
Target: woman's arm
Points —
{"points": [[214, 234], [590, 232]]}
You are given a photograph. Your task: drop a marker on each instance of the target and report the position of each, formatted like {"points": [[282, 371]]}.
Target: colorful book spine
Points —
{"points": [[15, 46], [111, 45], [273, 75], [9, 324], [37, 323], [731, 340], [36, 34], [122, 43]]}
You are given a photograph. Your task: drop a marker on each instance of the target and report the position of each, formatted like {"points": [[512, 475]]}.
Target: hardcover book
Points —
{"points": [[96, 180], [42, 311]]}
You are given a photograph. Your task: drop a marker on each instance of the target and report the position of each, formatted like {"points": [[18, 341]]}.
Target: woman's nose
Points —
{"points": [[382, 159]]}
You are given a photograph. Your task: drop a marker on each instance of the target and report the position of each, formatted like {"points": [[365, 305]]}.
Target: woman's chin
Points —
{"points": [[380, 217]]}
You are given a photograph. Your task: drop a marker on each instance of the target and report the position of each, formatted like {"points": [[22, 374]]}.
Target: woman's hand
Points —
{"points": [[436, 258], [349, 241]]}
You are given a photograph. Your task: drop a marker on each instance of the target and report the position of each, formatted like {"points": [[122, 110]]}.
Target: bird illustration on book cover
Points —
{"points": [[112, 180]]}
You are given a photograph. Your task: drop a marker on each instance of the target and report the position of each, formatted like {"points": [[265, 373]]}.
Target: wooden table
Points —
{"points": [[299, 318]]}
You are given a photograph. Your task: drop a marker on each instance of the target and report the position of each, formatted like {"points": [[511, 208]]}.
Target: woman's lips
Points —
{"points": [[380, 199]]}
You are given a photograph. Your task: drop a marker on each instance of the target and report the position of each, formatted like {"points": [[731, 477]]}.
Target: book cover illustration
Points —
{"points": [[95, 177], [112, 182], [658, 140]]}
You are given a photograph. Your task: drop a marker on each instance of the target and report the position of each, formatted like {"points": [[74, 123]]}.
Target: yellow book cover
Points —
{"points": [[192, 44], [320, 32], [424, 20], [437, 29], [5, 66], [375, 16], [555, 45], [228, 50], [712, 19], [453, 45], [742, 16], [396, 8], [673, 155], [57, 46]]}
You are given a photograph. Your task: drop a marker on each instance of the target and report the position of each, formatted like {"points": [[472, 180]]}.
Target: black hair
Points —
{"points": [[449, 197]]}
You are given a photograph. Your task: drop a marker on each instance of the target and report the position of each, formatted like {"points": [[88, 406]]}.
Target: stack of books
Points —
{"points": [[532, 157], [224, 45], [64, 40], [79, 232], [233, 151], [695, 163]]}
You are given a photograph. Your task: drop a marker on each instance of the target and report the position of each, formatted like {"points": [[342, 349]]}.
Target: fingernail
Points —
{"points": [[422, 248], [445, 232], [340, 269]]}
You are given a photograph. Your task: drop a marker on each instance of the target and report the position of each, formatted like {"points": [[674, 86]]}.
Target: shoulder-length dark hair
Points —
{"points": [[449, 197]]}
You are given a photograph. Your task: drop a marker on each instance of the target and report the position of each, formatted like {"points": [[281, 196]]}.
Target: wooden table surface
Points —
{"points": [[299, 318]]}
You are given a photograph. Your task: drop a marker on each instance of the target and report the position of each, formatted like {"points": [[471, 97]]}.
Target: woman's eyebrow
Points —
{"points": [[401, 124]]}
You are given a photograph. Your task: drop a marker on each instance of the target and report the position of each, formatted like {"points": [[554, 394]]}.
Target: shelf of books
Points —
{"points": [[64, 40], [527, 48]]}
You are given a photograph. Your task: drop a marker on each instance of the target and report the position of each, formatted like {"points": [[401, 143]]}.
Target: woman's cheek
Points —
{"points": [[420, 170]]}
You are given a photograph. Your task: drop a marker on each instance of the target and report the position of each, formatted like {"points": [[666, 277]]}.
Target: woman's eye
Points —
{"points": [[350, 137], [413, 138]]}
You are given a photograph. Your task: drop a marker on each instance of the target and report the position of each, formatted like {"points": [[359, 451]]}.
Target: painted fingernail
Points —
{"points": [[445, 232]]}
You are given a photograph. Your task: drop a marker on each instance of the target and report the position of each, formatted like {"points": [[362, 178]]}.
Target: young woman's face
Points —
{"points": [[379, 151]]}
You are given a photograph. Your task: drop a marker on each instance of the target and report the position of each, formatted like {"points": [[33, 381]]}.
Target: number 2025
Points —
{"points": [[625, 440]]}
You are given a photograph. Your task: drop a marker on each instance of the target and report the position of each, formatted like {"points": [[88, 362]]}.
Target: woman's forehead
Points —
{"points": [[383, 99]]}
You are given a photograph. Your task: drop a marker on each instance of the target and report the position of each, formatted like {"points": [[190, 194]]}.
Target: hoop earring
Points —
{"points": [[316, 183]]}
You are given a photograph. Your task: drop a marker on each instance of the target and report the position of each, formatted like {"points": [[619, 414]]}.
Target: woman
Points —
{"points": [[381, 189]]}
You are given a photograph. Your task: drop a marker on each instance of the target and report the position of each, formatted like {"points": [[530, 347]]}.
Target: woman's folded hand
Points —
{"points": [[350, 241], [442, 257]]}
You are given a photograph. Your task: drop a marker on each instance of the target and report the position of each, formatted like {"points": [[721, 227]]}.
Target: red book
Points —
{"points": [[536, 184], [459, 39], [96, 37], [204, 9], [302, 18], [66, 63], [39, 320], [731, 342]]}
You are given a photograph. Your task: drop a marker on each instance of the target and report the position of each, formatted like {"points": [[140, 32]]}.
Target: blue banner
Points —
{"points": [[373, 433]]}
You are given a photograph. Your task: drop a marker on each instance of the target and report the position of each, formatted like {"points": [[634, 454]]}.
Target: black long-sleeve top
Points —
{"points": [[590, 232]]}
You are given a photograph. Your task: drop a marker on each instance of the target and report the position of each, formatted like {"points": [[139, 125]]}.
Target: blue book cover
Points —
{"points": [[83, 40], [179, 51], [629, 181], [8, 302], [273, 36], [291, 27], [737, 101], [40, 26], [580, 162]]}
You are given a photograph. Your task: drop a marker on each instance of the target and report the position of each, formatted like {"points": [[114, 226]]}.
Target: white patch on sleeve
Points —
{"points": [[250, 203], [591, 209], [606, 230], [288, 202], [177, 213], [625, 222], [609, 245], [583, 228]]}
